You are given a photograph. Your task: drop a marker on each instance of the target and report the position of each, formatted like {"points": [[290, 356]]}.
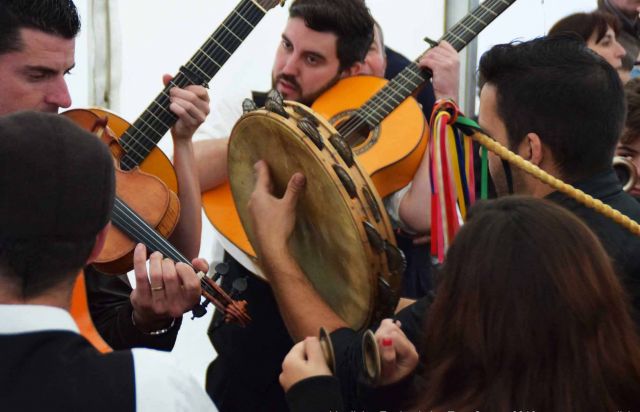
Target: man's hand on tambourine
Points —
{"points": [[273, 219]]}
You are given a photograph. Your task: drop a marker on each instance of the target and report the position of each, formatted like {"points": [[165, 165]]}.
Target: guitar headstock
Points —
{"points": [[269, 4]]}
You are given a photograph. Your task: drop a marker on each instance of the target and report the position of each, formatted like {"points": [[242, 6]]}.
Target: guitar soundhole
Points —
{"points": [[354, 131]]}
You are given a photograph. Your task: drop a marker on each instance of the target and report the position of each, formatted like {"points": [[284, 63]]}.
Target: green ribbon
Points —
{"points": [[467, 124]]}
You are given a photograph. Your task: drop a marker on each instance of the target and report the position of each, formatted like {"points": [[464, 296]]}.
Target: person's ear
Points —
{"points": [[101, 238], [355, 69], [532, 149]]}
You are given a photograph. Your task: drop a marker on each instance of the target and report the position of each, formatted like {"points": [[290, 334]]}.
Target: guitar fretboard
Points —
{"points": [[412, 77], [145, 133]]}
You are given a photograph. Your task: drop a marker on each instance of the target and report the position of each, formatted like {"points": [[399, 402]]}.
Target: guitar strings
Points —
{"points": [[136, 141], [414, 72], [374, 106], [208, 46], [204, 60], [388, 92]]}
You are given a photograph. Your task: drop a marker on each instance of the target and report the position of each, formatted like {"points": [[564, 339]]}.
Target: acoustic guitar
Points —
{"points": [[139, 140], [80, 312], [385, 127]]}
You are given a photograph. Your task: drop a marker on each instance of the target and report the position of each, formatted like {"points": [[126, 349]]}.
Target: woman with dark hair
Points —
{"points": [[599, 30], [528, 315]]}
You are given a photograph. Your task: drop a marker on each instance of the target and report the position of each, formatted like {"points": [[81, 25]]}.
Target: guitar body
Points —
{"points": [[392, 152], [80, 312], [221, 211]]}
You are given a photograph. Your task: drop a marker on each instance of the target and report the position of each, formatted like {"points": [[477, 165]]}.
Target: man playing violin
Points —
{"points": [[37, 51], [49, 229]]}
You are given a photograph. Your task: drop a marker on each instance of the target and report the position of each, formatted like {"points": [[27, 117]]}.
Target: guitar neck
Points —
{"points": [[412, 77], [156, 120]]}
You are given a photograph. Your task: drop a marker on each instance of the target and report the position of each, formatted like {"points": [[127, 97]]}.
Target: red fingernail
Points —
{"points": [[387, 342]]}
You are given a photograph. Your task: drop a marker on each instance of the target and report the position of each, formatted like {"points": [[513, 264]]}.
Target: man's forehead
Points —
{"points": [[482, 105], [487, 112], [319, 42], [44, 50], [633, 146], [38, 41]]}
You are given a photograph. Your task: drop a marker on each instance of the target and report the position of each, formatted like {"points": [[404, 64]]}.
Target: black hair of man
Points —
{"points": [[567, 94], [349, 20], [56, 193], [57, 17]]}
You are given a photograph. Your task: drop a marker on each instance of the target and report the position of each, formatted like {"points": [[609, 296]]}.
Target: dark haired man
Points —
{"points": [[322, 42], [550, 100], [49, 229], [571, 134], [37, 50]]}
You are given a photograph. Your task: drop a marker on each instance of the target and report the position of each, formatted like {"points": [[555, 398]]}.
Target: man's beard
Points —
{"points": [[307, 100]]}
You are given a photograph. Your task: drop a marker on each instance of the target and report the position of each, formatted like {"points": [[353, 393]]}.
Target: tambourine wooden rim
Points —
{"points": [[360, 285]]}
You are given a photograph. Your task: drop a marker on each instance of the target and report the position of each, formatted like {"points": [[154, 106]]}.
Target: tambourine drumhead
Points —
{"points": [[329, 240]]}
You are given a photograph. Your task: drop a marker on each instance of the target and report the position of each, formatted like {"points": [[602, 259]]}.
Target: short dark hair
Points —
{"points": [[57, 198], [567, 94], [57, 17], [586, 24], [526, 300], [37, 266], [350, 20], [631, 131]]}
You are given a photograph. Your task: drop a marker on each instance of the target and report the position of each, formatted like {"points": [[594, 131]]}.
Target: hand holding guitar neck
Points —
{"points": [[444, 63]]}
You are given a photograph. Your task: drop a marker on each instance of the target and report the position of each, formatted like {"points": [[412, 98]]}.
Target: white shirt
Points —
{"points": [[160, 384], [224, 114]]}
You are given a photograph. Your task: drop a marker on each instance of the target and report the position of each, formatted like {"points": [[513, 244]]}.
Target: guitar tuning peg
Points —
{"points": [[430, 42]]}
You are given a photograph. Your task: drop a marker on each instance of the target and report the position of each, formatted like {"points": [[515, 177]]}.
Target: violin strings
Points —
{"points": [[129, 221]]}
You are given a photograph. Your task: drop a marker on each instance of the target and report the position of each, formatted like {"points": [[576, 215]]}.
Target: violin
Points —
{"points": [[136, 147], [146, 211]]}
